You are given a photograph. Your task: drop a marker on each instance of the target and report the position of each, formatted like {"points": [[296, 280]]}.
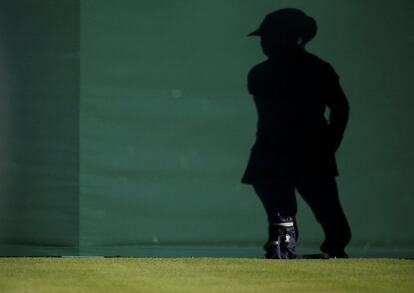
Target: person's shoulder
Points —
{"points": [[256, 74], [259, 68], [320, 65]]}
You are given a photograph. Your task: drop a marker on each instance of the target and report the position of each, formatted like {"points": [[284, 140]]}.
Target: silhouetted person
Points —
{"points": [[295, 144]]}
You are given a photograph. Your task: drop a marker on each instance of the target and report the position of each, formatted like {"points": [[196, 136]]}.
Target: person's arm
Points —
{"points": [[339, 110]]}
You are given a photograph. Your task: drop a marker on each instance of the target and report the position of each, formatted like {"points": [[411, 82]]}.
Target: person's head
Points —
{"points": [[284, 30]]}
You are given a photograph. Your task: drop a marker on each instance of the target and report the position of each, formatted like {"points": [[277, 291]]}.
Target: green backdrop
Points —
{"points": [[127, 126]]}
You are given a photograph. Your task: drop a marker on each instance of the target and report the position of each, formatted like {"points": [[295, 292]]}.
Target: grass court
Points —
{"points": [[204, 275]]}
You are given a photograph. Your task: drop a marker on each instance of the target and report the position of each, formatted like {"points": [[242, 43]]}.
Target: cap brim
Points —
{"points": [[257, 32]]}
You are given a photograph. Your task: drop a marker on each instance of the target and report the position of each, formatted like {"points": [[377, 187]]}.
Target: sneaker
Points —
{"points": [[283, 244]]}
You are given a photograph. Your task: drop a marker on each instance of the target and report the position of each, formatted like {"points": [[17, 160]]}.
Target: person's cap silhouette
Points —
{"points": [[287, 21]]}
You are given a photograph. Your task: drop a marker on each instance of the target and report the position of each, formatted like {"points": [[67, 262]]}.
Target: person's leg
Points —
{"points": [[277, 198], [321, 194], [279, 202]]}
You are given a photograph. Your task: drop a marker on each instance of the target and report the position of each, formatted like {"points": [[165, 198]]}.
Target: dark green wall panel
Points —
{"points": [[40, 136]]}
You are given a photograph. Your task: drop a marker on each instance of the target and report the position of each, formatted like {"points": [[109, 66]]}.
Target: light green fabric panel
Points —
{"points": [[162, 148], [167, 124]]}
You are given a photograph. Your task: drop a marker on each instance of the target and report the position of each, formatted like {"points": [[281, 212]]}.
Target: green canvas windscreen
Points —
{"points": [[127, 125]]}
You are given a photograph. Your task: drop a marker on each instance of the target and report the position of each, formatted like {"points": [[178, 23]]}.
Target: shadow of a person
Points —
{"points": [[295, 144]]}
